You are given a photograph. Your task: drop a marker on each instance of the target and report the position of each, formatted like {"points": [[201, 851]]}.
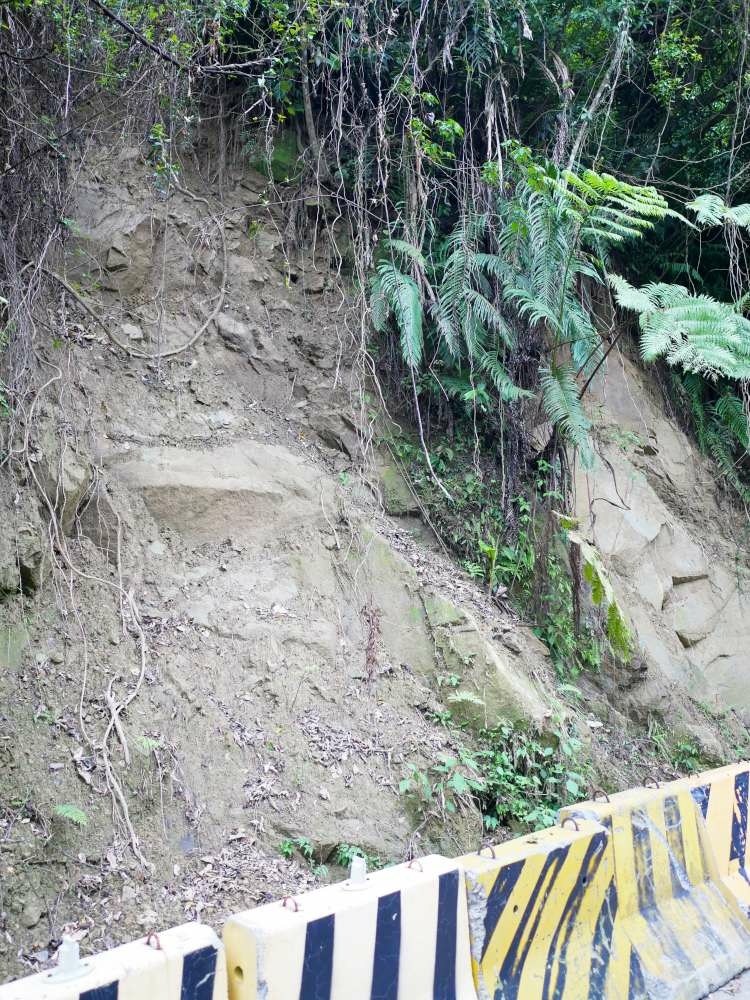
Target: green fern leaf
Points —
{"points": [[563, 406], [731, 412], [402, 295], [491, 365], [72, 813], [404, 249]]}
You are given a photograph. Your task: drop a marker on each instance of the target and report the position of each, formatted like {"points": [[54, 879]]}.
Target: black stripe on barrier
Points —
{"points": [[676, 845], [198, 974], [701, 796], [739, 822], [108, 992], [642, 831], [317, 965], [497, 898], [643, 859], [637, 981], [569, 916], [387, 957], [601, 946], [512, 967], [681, 884], [444, 983]]}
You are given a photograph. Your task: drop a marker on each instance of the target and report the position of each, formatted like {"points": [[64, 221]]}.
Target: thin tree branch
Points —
{"points": [[139, 36]]}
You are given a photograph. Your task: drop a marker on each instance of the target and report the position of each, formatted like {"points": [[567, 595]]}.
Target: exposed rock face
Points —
{"points": [[398, 498], [246, 490], [491, 689], [21, 558], [261, 493], [650, 508], [65, 476]]}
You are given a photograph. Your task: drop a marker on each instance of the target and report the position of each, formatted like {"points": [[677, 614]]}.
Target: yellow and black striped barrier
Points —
{"points": [[541, 913], [722, 797], [398, 934], [184, 963], [677, 931], [640, 895]]}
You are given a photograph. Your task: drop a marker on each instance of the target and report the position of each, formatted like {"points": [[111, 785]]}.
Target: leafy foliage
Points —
{"points": [[693, 332], [445, 786], [514, 554], [526, 781], [516, 778], [711, 210], [463, 297], [717, 416], [345, 853], [72, 814]]}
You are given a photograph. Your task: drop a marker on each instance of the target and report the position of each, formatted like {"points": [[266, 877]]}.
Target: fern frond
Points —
{"points": [[731, 412], [739, 215], [696, 332], [563, 406], [711, 210], [405, 249], [491, 364], [405, 302], [379, 308], [72, 813]]}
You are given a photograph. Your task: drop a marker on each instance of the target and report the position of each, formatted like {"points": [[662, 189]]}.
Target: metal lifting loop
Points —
{"points": [[570, 819], [294, 904]]}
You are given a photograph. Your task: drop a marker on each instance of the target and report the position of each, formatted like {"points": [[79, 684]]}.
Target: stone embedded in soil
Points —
{"points": [[99, 522], [32, 912], [398, 499], [131, 332], [13, 642]]}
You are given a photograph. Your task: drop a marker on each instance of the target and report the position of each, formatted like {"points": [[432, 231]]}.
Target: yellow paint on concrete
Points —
{"points": [[183, 963]]}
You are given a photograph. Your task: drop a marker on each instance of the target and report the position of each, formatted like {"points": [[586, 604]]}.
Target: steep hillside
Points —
{"points": [[232, 651], [219, 639], [677, 549]]}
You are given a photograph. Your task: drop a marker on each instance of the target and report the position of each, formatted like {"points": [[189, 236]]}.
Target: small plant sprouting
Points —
{"points": [[289, 847], [72, 813], [345, 853]]}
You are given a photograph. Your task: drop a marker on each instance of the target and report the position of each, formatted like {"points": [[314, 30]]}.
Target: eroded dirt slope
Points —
{"points": [[230, 639], [221, 640]]}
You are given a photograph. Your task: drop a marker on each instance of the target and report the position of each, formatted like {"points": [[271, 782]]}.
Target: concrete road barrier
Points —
{"points": [[722, 797], [402, 935], [541, 915], [184, 963], [677, 931], [640, 895]]}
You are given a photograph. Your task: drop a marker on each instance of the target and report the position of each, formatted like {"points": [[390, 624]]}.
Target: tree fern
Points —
{"points": [[547, 238], [695, 332]]}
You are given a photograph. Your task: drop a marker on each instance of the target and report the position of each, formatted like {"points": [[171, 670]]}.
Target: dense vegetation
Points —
{"points": [[496, 162]]}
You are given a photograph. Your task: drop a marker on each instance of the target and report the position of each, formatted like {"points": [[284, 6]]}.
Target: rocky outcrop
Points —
{"points": [[650, 508], [245, 490], [21, 553]]}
